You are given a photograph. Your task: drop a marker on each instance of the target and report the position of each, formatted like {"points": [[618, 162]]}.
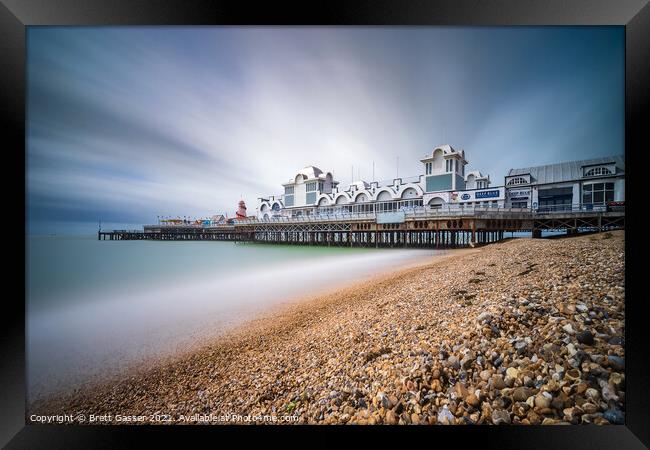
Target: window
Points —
{"points": [[597, 193], [448, 165], [311, 186], [429, 167], [517, 180], [288, 190], [598, 171]]}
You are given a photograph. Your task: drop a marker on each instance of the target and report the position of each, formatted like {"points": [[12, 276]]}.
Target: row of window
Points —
{"points": [[314, 185], [310, 187], [598, 171], [453, 166], [484, 203], [591, 193], [594, 172], [517, 180], [598, 193]]}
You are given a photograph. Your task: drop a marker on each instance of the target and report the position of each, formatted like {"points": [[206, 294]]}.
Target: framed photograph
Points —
{"points": [[360, 218]]}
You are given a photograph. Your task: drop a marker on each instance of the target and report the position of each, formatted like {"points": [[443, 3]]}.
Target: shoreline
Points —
{"points": [[406, 347], [240, 326]]}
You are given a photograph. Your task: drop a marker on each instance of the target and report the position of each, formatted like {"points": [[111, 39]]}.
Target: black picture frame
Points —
{"points": [[634, 15]]}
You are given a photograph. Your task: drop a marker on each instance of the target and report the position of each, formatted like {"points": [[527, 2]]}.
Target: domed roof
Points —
{"points": [[360, 185], [310, 172], [477, 174], [446, 148]]}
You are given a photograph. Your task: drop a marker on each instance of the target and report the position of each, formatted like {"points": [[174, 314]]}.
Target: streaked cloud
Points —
{"points": [[128, 123]]}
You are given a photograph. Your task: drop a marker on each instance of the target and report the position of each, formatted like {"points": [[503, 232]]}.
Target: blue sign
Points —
{"points": [[465, 197], [487, 194], [391, 217]]}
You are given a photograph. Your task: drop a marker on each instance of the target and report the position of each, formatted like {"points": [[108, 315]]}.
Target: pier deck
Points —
{"points": [[412, 229]]}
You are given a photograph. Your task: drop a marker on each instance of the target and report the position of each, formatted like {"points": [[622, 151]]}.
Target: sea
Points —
{"points": [[96, 309]]}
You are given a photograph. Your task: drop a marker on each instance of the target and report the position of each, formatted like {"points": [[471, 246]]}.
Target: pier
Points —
{"points": [[415, 228]]}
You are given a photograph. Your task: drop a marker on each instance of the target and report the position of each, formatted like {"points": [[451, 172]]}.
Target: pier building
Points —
{"points": [[569, 185], [443, 182], [445, 206]]}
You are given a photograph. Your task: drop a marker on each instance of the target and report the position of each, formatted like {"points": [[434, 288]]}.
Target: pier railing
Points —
{"points": [[419, 212]]}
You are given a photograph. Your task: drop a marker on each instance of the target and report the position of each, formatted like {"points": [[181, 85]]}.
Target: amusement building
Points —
{"points": [[445, 184]]}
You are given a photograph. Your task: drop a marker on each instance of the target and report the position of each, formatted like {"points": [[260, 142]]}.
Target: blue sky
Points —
{"points": [[128, 123]]}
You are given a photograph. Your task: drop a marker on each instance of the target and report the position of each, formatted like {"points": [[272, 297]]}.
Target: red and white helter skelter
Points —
{"points": [[241, 211]]}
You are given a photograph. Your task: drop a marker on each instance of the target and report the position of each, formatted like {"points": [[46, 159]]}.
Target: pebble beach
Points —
{"points": [[524, 331]]}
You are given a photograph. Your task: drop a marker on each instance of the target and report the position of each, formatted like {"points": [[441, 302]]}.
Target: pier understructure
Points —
{"points": [[406, 229]]}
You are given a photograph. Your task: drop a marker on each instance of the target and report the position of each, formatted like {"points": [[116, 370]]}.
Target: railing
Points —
{"points": [[582, 207], [409, 212], [416, 212]]}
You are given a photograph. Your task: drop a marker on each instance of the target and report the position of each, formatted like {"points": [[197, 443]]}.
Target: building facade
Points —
{"points": [[443, 183], [585, 184]]}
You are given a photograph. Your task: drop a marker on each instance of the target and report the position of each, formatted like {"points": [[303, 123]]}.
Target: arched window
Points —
{"points": [[517, 180], [409, 193], [598, 171], [384, 196]]}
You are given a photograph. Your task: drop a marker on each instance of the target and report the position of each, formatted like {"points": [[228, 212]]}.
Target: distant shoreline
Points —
{"points": [[393, 349]]}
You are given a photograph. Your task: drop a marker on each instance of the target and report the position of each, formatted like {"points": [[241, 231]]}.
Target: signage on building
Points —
{"points": [[487, 194], [474, 195], [519, 194], [391, 217]]}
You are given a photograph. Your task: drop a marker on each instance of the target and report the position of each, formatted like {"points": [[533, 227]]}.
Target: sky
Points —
{"points": [[128, 123]]}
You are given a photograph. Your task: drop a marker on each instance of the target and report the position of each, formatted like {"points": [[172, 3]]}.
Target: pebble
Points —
{"points": [[512, 372], [445, 416], [453, 362], [500, 416], [391, 418], [543, 400], [585, 337], [484, 317], [472, 400], [498, 382], [614, 416], [521, 394], [568, 328], [616, 362], [467, 361]]}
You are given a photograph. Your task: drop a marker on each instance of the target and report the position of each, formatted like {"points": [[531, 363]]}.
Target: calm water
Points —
{"points": [[95, 308]]}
